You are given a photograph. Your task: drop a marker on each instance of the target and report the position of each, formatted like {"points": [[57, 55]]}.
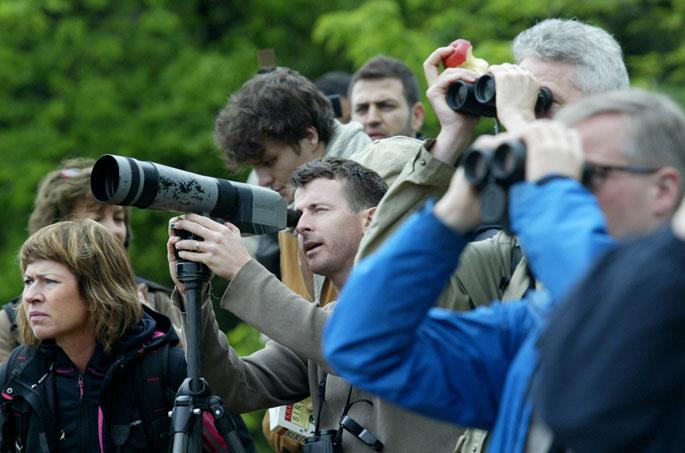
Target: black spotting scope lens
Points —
{"points": [[106, 187]]}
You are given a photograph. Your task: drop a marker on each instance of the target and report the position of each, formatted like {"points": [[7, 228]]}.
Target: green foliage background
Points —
{"points": [[145, 78]]}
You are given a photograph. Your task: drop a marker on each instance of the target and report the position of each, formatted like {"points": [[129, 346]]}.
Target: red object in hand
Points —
{"points": [[458, 56]]}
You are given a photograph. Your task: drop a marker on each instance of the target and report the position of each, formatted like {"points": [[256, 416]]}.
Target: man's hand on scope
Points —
{"points": [[517, 92], [456, 129], [552, 149], [222, 249]]}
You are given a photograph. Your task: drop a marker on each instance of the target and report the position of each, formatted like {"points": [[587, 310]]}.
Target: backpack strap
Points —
{"points": [[120, 412], [516, 257], [155, 396], [11, 310], [15, 410], [485, 231]]}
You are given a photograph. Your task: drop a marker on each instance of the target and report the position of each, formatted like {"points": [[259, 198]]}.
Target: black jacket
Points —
{"points": [[612, 360], [65, 410]]}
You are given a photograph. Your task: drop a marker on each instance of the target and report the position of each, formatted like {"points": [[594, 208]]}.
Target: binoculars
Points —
{"points": [[478, 99], [504, 165], [492, 172]]}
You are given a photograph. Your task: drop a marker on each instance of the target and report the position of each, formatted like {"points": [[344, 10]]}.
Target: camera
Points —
{"points": [[336, 104], [128, 182], [325, 442], [492, 172], [479, 98]]}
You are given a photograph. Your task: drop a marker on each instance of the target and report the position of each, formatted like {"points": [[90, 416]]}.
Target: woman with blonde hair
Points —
{"points": [[75, 382]]}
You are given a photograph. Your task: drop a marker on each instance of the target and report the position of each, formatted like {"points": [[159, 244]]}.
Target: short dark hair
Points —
{"points": [[384, 67], [363, 188], [334, 82], [279, 105]]}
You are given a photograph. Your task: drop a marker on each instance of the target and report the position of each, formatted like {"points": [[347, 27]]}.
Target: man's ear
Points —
{"points": [[417, 114], [667, 191], [311, 144], [368, 217], [312, 136]]}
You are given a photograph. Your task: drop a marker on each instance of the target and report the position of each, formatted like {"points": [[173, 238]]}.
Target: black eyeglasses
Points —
{"points": [[594, 175]]}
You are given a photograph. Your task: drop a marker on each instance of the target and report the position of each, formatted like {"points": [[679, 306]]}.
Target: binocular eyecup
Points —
{"points": [[479, 98], [504, 165], [492, 172]]}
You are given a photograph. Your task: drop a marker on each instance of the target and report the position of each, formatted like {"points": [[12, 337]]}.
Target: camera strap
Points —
{"points": [[348, 424], [322, 399]]}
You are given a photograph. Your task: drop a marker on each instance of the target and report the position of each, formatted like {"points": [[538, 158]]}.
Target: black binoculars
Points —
{"points": [[504, 165], [478, 99], [492, 172]]}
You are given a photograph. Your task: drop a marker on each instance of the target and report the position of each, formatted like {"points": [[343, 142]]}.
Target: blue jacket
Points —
{"points": [[472, 369]]}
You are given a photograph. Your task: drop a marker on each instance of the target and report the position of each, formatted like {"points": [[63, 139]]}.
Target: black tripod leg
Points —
{"points": [[194, 397], [224, 424]]}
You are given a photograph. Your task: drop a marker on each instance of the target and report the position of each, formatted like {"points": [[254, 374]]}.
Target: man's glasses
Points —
{"points": [[594, 175]]}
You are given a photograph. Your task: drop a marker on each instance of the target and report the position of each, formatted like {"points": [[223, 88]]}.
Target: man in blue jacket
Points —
{"points": [[611, 357], [476, 369]]}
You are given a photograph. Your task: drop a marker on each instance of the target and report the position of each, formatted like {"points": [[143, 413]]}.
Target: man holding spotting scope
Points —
{"points": [[337, 198]]}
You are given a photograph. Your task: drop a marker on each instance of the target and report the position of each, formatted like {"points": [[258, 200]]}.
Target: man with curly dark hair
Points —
{"points": [[278, 121]]}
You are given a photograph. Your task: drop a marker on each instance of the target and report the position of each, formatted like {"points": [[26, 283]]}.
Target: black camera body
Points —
{"points": [[479, 98], [336, 104], [325, 442], [493, 172]]}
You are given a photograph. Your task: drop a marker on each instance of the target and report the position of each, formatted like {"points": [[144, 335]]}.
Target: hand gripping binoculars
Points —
{"points": [[478, 99]]}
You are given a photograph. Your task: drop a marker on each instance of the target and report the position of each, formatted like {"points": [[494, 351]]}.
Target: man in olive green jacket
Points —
{"points": [[572, 60], [568, 57]]}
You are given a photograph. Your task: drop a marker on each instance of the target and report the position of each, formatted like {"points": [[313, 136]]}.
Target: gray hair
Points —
{"points": [[594, 52], [655, 125]]}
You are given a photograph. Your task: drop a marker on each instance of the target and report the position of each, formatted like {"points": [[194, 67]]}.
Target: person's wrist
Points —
{"points": [[515, 119], [453, 217], [449, 144], [242, 262], [544, 175]]}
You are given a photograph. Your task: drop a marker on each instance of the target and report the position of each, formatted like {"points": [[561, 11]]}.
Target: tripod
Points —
{"points": [[194, 396]]}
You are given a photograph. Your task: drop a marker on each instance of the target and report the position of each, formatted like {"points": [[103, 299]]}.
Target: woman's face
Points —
{"points": [[110, 216], [53, 303]]}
